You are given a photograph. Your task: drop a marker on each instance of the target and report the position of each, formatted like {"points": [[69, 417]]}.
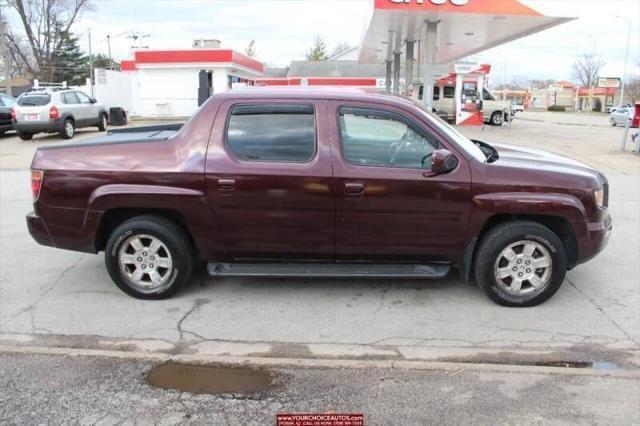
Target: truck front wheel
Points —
{"points": [[149, 257], [520, 264]]}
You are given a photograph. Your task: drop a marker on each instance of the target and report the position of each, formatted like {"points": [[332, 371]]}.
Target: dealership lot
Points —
{"points": [[56, 298]]}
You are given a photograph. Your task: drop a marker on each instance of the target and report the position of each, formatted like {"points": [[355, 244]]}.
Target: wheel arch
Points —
{"points": [[188, 208], [559, 225], [113, 217]]}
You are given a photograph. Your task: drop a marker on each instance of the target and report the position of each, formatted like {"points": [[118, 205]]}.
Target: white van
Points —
{"points": [[494, 112]]}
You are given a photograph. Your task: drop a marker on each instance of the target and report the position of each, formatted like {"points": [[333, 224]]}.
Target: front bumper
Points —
{"points": [[598, 234], [38, 230]]}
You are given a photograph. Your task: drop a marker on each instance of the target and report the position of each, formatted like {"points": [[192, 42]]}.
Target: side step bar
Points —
{"points": [[431, 270]]}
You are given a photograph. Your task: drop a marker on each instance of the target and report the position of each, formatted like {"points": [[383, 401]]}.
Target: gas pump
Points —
{"points": [[469, 80]]}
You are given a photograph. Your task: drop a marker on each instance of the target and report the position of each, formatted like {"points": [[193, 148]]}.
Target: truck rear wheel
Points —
{"points": [[520, 264], [149, 257]]}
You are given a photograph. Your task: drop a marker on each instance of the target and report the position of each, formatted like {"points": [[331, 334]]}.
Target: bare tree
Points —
{"points": [[586, 68], [341, 47], [632, 88], [40, 18]]}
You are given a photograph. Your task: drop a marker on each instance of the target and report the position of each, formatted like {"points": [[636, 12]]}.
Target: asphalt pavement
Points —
{"points": [[38, 389]]}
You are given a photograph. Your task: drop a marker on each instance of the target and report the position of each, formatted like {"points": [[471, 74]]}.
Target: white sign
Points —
{"points": [[609, 82]]}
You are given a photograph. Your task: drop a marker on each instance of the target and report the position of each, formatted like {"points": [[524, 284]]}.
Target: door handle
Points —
{"points": [[353, 188], [226, 184]]}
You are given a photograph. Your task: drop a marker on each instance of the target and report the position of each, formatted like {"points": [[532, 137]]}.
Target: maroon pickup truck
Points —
{"points": [[319, 183]]}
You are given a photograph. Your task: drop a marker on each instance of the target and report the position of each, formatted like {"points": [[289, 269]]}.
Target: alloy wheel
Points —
{"points": [[145, 262], [523, 268]]}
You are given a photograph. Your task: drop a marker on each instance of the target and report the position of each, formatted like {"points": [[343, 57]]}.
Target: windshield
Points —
{"points": [[462, 141], [9, 102], [34, 100]]}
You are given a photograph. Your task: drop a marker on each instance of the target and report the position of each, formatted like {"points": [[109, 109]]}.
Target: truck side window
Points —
{"points": [[381, 138], [436, 93], [272, 132], [449, 92]]}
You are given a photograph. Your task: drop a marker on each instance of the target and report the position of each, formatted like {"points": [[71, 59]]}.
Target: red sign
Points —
{"points": [[329, 419], [495, 7]]}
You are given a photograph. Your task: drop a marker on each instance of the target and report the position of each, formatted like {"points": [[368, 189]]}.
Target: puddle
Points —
{"points": [[210, 379], [564, 364], [601, 365]]}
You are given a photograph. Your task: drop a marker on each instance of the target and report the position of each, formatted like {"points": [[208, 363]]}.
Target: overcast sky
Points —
{"points": [[285, 29]]}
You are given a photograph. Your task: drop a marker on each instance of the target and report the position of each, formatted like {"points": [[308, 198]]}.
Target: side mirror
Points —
{"points": [[94, 101], [443, 161]]}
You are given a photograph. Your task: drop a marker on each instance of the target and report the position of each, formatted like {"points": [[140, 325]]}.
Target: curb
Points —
{"points": [[263, 362]]}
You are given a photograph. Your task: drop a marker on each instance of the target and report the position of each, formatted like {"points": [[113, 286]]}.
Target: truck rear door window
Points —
{"points": [[284, 133]]}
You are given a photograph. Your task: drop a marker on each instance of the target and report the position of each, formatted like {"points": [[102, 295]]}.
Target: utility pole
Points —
{"points": [[4, 50], [109, 50], [626, 58], [90, 64]]}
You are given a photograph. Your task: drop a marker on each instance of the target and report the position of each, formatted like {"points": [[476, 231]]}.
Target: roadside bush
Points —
{"points": [[556, 108]]}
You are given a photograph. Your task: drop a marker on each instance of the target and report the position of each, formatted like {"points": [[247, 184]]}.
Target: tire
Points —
{"points": [[490, 262], [102, 122], [25, 136], [129, 269], [68, 129], [497, 118]]}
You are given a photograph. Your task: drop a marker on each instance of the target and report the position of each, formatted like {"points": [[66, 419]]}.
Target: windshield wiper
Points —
{"points": [[490, 152]]}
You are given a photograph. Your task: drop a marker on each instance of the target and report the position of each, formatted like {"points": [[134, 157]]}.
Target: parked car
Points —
{"points": [[6, 104], [611, 109], [621, 116], [316, 182], [60, 110]]}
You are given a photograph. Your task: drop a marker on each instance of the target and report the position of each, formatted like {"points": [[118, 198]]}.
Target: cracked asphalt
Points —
{"points": [[57, 298], [101, 391]]}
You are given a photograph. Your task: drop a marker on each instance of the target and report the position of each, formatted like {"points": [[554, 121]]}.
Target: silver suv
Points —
{"points": [[58, 110]]}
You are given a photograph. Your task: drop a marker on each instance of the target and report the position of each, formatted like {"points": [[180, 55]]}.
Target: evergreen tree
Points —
{"points": [[318, 52], [68, 62]]}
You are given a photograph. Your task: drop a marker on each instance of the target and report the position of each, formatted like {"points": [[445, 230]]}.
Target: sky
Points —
{"points": [[285, 29]]}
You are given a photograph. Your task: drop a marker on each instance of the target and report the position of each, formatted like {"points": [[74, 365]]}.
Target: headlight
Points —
{"points": [[598, 194]]}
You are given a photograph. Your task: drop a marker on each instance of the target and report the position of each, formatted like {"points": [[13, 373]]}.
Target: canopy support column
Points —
{"points": [[430, 47], [396, 73], [408, 69], [387, 82]]}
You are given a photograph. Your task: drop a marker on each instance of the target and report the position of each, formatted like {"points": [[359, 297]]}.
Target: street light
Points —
{"points": [[626, 56]]}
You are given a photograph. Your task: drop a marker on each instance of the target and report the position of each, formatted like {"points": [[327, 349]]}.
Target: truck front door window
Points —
{"points": [[378, 138], [272, 132]]}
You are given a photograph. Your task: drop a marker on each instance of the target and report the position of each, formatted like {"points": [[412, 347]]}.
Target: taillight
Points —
{"points": [[54, 113], [36, 183], [13, 114]]}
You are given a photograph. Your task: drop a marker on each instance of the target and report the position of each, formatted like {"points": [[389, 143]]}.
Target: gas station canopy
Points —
{"points": [[464, 27]]}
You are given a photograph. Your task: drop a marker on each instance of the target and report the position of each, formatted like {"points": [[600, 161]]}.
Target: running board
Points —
{"points": [[432, 270]]}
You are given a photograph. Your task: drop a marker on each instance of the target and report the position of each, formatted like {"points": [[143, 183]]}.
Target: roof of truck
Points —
{"points": [[316, 92]]}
